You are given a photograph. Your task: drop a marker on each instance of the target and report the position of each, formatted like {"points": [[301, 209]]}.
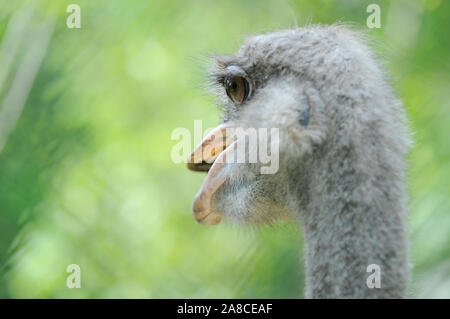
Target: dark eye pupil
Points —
{"points": [[237, 88]]}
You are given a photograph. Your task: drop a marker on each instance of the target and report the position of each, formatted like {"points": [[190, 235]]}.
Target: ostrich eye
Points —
{"points": [[237, 88]]}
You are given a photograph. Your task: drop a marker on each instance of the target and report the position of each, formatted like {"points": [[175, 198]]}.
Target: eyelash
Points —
{"points": [[232, 71]]}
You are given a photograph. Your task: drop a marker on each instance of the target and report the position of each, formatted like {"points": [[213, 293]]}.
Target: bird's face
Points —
{"points": [[277, 106]]}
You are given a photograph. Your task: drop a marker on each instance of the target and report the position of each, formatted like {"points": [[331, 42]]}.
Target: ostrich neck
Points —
{"points": [[354, 218]]}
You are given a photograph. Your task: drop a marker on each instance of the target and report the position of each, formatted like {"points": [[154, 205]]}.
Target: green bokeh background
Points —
{"points": [[86, 175]]}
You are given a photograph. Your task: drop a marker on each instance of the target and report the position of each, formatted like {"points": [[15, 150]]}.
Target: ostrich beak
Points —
{"points": [[209, 156]]}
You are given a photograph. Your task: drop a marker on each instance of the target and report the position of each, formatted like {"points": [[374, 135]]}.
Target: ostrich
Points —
{"points": [[343, 138]]}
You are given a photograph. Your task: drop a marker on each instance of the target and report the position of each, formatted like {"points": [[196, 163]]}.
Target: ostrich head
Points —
{"points": [[340, 144]]}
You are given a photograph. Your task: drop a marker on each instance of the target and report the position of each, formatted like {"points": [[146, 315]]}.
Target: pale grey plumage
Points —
{"points": [[343, 141]]}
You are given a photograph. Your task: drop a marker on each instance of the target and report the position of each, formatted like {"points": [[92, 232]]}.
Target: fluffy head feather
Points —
{"points": [[343, 141]]}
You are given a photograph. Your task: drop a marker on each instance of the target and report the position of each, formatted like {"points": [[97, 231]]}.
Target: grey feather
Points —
{"points": [[342, 165]]}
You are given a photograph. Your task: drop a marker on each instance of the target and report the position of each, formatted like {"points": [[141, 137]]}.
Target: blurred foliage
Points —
{"points": [[85, 171]]}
